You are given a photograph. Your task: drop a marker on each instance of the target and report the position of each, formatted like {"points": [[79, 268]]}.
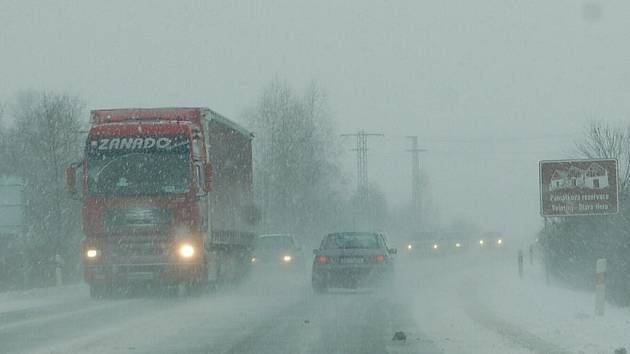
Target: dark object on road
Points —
{"points": [[352, 260], [400, 336], [621, 351]]}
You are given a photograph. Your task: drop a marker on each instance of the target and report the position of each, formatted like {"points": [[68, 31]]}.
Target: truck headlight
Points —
{"points": [[186, 250], [91, 253]]}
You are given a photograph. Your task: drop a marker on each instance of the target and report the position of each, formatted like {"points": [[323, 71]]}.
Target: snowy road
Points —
{"points": [[252, 319], [443, 306]]}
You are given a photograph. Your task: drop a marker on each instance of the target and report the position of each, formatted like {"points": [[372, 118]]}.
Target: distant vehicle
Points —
{"points": [[279, 251], [441, 246], [351, 260], [491, 240], [422, 248]]}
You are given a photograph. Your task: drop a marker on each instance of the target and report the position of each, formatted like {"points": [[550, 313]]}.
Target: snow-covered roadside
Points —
{"points": [[25, 299], [558, 315], [433, 292]]}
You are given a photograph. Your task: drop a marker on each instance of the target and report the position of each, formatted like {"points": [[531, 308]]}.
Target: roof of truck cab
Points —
{"points": [[100, 116]]}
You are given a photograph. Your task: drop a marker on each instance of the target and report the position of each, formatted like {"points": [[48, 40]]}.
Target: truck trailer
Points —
{"points": [[167, 198]]}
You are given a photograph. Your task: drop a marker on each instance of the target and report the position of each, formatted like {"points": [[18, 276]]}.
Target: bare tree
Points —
{"points": [[606, 141], [296, 169], [46, 139]]}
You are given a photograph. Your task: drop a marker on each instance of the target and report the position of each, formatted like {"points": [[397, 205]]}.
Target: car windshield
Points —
{"points": [[153, 166], [274, 242], [351, 240]]}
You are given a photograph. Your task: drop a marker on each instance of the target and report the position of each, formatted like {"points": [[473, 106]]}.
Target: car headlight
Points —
{"points": [[91, 253], [481, 242], [253, 259], [435, 246], [409, 247], [287, 258], [458, 245], [186, 250], [499, 242]]}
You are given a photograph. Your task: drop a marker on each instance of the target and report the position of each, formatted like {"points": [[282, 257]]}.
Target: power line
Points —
{"points": [[362, 161], [415, 176]]}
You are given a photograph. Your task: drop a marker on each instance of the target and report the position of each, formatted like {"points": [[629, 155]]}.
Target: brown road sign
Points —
{"points": [[578, 187]]}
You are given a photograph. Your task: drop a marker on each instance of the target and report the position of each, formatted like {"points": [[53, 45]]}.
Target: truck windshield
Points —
{"points": [[148, 165]]}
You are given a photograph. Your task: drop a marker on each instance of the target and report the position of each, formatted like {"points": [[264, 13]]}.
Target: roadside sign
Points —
{"points": [[11, 205], [578, 187]]}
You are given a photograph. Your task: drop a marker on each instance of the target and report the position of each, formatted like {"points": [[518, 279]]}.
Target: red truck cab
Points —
{"points": [[146, 212]]}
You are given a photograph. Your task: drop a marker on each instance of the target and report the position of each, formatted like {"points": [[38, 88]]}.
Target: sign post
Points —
{"points": [[578, 187], [600, 287]]}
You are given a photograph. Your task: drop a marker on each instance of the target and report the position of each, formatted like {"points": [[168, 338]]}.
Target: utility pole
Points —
{"points": [[362, 166], [415, 178], [362, 149]]}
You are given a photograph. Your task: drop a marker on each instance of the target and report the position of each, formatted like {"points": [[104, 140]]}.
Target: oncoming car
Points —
{"points": [[276, 251], [491, 240], [351, 260]]}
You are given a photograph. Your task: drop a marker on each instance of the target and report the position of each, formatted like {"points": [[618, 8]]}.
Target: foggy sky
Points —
{"points": [[491, 87]]}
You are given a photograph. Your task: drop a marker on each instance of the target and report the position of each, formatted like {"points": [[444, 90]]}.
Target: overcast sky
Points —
{"points": [[491, 87]]}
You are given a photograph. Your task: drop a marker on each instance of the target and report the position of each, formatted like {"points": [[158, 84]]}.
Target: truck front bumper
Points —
{"points": [[166, 273]]}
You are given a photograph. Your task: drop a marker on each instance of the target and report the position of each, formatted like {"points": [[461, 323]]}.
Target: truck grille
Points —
{"points": [[137, 219], [140, 246]]}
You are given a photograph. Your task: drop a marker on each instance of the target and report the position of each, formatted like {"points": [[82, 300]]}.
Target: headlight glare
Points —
{"points": [[186, 250], [91, 253], [287, 258]]}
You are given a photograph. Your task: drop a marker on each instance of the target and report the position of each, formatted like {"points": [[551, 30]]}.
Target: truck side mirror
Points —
{"points": [[207, 185], [71, 179]]}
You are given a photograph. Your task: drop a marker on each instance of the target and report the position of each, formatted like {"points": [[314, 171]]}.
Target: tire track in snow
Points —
{"points": [[485, 317]]}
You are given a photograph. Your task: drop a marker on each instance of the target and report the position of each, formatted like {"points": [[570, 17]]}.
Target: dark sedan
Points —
{"points": [[352, 260]]}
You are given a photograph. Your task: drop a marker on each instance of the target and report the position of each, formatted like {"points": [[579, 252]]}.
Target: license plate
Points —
{"points": [[352, 260]]}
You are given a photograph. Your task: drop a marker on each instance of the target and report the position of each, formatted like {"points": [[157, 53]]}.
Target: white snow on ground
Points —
{"points": [[559, 315], [478, 304], [473, 303], [436, 302], [20, 300]]}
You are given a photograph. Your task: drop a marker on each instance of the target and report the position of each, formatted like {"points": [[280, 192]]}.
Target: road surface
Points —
{"points": [[429, 302]]}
